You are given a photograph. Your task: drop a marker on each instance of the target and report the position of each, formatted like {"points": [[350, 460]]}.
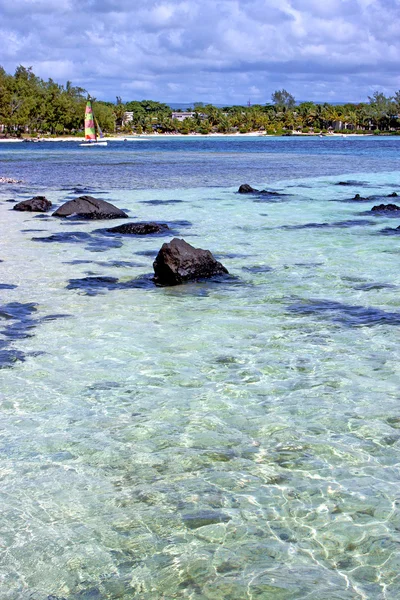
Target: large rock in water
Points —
{"points": [[35, 204], [139, 228], [178, 262], [87, 207]]}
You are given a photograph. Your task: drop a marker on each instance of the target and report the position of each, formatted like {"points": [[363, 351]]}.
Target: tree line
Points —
{"points": [[30, 105]]}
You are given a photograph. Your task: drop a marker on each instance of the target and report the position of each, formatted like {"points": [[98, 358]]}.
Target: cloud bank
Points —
{"points": [[222, 51]]}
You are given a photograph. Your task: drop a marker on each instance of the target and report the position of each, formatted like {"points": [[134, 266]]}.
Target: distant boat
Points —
{"points": [[90, 128]]}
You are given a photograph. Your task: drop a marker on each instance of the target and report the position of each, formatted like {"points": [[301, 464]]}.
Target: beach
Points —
{"points": [[235, 437], [133, 137]]}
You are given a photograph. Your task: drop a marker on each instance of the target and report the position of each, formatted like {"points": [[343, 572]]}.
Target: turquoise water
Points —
{"points": [[236, 439]]}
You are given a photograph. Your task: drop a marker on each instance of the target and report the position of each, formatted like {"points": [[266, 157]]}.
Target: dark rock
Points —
{"points": [[392, 195], [178, 262], [350, 182], [87, 207], [358, 197], [245, 188], [139, 228], [36, 204], [385, 208]]}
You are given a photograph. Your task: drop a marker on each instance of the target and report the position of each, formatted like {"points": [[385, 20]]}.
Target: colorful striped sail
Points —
{"points": [[90, 132]]}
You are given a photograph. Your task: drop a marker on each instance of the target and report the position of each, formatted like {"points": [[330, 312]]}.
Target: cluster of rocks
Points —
{"points": [[385, 208], [177, 262], [359, 197], [9, 180]]}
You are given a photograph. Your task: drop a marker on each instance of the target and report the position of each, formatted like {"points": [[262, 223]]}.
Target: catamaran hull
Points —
{"points": [[89, 144]]}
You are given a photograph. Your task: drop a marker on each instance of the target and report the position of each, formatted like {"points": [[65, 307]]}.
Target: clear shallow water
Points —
{"points": [[232, 439]]}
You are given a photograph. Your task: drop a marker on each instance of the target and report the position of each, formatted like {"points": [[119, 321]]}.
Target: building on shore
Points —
{"points": [[182, 116]]}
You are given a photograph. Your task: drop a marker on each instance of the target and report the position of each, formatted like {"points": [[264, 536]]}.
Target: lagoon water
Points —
{"points": [[224, 440]]}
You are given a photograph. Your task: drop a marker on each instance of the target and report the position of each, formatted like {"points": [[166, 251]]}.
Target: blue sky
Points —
{"points": [[222, 51]]}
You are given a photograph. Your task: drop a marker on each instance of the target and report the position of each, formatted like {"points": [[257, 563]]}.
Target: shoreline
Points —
{"points": [[147, 136]]}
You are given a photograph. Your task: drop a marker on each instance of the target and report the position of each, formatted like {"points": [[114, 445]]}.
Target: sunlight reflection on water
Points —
{"points": [[235, 439]]}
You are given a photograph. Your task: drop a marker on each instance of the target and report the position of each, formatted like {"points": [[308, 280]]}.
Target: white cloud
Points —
{"points": [[210, 50]]}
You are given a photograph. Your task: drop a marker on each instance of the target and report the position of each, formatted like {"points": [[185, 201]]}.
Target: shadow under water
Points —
{"points": [[20, 321], [345, 314]]}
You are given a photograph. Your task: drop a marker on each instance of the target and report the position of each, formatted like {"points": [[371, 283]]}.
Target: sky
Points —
{"points": [[219, 51]]}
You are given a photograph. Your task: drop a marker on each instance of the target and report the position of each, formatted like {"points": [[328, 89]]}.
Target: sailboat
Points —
{"points": [[90, 128]]}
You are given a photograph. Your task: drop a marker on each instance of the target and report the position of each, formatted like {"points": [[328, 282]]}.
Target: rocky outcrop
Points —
{"points": [[392, 195], [245, 188], [178, 262], [358, 197], [385, 208], [139, 228], [35, 204], [87, 207]]}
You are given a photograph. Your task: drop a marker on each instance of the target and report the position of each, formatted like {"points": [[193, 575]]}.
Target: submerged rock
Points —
{"points": [[203, 518], [139, 228], [87, 207], [358, 197], [35, 204], [245, 188], [178, 262], [385, 208], [392, 195]]}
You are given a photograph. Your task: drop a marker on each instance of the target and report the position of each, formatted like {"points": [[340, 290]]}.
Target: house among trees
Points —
{"points": [[128, 117], [181, 116]]}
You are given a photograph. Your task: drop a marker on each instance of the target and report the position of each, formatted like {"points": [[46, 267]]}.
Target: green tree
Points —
{"points": [[282, 98]]}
